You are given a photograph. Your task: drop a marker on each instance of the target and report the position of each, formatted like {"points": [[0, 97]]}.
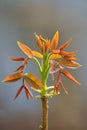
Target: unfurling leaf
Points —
{"points": [[69, 76], [13, 77], [65, 45], [19, 91], [47, 45], [39, 42], [42, 39], [25, 49], [17, 59], [69, 64], [33, 81], [54, 66], [54, 41]]}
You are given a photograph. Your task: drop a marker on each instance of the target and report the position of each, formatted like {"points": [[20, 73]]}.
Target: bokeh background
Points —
{"points": [[19, 19]]}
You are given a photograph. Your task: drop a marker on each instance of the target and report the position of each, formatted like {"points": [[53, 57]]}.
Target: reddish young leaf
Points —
{"points": [[63, 53], [69, 76], [28, 92], [62, 86], [67, 54], [59, 84], [70, 54], [17, 59], [19, 91], [25, 49], [72, 58], [13, 77], [33, 81], [57, 51], [54, 41], [65, 45], [20, 68]]}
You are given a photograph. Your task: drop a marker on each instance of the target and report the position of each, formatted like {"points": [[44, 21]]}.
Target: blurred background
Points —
{"points": [[19, 19]]}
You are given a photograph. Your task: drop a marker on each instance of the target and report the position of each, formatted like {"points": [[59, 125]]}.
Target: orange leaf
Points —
{"points": [[65, 45], [68, 63], [13, 77], [33, 81], [17, 59], [57, 51], [69, 76], [55, 56], [25, 49], [19, 91], [63, 53], [67, 54], [54, 41], [72, 58], [37, 54]]}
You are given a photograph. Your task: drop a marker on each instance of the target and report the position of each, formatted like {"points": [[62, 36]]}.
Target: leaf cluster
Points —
{"points": [[54, 59]]}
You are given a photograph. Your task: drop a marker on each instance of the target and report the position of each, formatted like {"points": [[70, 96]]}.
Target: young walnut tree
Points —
{"points": [[54, 59]]}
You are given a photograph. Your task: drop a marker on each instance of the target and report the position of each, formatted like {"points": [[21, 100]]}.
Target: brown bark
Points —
{"points": [[44, 101]]}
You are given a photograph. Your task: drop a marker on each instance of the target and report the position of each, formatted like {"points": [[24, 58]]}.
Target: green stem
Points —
{"points": [[45, 72], [39, 66]]}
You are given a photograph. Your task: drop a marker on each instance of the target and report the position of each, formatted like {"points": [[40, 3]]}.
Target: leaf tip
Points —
{"points": [[18, 42], [57, 32]]}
